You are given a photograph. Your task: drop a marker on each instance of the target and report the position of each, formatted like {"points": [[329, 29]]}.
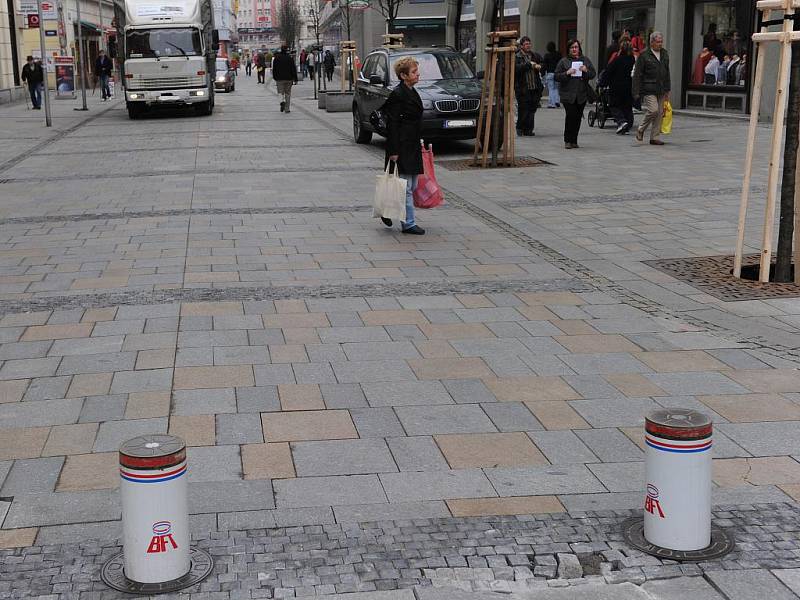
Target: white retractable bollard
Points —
{"points": [[155, 508], [677, 508], [156, 556]]}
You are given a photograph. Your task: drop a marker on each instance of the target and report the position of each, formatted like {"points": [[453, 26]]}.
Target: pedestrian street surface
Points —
{"points": [[369, 415]]}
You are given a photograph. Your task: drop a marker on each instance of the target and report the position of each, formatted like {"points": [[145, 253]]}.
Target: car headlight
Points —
{"points": [[221, 78], [427, 104]]}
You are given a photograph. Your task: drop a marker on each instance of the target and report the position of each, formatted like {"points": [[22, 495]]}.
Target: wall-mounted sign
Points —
{"points": [[33, 21]]}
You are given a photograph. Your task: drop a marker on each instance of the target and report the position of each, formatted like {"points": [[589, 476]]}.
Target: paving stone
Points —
{"points": [[417, 453], [214, 463], [742, 585], [519, 389], [98, 363], [620, 477], [762, 439], [680, 588], [18, 538], [575, 503], [767, 380], [204, 402], [308, 425], [688, 384], [5, 467], [429, 420], [195, 430], [267, 375], [267, 461], [789, 577], [528, 481], [141, 381], [240, 355], [753, 407], [339, 335], [614, 412], [35, 510], [43, 412], [91, 384], [103, 408], [406, 393], [83, 472], [610, 445], [607, 363], [379, 350], [478, 450], [525, 505], [257, 399], [32, 476], [376, 423], [370, 371], [563, 447], [24, 350], [342, 457], [29, 367], [329, 491], [511, 416], [557, 415], [192, 378], [113, 433], [93, 345], [70, 439], [381, 512], [436, 485], [300, 397], [468, 391], [13, 391], [343, 395], [239, 429], [46, 388], [229, 496]]}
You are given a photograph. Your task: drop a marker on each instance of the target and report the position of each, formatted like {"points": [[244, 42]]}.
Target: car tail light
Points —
{"points": [[201, 72], [128, 76]]}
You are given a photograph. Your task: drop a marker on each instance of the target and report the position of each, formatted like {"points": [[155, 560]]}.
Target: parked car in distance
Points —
{"points": [[450, 93], [226, 76]]}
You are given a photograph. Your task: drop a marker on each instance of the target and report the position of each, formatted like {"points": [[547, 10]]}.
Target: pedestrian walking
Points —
{"points": [[618, 76], [103, 68], [248, 65], [651, 84], [403, 110], [311, 62], [551, 58], [329, 63], [303, 58], [33, 75], [284, 72], [261, 67], [529, 86], [573, 73]]}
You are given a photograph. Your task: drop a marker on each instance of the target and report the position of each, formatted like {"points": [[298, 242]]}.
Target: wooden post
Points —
{"points": [[797, 221], [491, 101], [777, 142], [755, 108]]}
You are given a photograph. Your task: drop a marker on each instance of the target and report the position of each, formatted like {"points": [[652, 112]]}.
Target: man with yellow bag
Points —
{"points": [[651, 83]]}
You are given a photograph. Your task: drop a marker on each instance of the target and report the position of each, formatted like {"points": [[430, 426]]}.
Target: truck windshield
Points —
{"points": [[159, 43], [438, 65]]}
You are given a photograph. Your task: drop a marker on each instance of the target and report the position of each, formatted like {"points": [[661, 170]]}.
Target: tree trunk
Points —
{"points": [[783, 268]]}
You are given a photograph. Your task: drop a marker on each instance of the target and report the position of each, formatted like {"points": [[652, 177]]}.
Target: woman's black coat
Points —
{"points": [[403, 110], [618, 77]]}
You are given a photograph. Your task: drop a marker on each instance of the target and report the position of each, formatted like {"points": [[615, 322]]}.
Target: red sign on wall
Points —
{"points": [[33, 21]]}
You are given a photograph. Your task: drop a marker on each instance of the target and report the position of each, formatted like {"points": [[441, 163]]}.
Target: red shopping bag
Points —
{"points": [[428, 194]]}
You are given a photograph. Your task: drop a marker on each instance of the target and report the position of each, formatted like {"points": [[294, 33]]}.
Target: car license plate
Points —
{"points": [[459, 123]]}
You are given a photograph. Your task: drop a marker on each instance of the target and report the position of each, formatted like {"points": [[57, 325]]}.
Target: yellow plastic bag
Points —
{"points": [[666, 120]]}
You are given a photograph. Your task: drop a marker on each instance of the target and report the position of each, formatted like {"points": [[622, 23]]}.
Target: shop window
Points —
{"points": [[635, 21], [719, 42]]}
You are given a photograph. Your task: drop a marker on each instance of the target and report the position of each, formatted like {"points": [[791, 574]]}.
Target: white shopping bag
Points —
{"points": [[390, 195]]}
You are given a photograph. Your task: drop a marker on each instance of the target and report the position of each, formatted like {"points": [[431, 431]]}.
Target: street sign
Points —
{"points": [[33, 21], [49, 10], [357, 4], [27, 7], [51, 32]]}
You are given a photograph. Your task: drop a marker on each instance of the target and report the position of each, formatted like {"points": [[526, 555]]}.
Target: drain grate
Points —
{"points": [[713, 275], [520, 162]]}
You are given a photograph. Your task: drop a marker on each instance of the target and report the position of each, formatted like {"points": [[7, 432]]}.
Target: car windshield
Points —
{"points": [[438, 65], [222, 65], [149, 43]]}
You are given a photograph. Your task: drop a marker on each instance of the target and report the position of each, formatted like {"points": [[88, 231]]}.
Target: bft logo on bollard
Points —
{"points": [[162, 539], [651, 503]]}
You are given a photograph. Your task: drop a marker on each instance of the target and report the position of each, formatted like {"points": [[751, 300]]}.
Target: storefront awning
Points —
{"points": [[90, 27], [402, 24]]}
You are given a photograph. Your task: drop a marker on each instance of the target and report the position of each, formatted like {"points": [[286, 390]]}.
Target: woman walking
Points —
{"points": [[551, 59], [403, 111], [573, 73], [619, 78]]}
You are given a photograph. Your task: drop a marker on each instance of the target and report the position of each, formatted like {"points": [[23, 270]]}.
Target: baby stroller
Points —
{"points": [[601, 112], [602, 108]]}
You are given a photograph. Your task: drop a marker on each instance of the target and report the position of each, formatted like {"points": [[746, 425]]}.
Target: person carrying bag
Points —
{"points": [[390, 195]]}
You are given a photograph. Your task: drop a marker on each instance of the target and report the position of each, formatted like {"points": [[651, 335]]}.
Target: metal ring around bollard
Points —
{"points": [[677, 504], [156, 556]]}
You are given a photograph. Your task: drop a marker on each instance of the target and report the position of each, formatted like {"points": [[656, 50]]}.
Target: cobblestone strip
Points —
{"points": [[406, 288], [5, 166], [502, 554], [183, 212], [607, 199], [216, 147]]}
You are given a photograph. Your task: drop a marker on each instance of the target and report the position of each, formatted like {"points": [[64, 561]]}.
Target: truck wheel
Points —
{"points": [[204, 108], [135, 110], [361, 135]]}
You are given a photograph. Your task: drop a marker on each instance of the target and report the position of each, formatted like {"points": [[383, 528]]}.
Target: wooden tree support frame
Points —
{"points": [[785, 37], [500, 57], [393, 41], [347, 51]]}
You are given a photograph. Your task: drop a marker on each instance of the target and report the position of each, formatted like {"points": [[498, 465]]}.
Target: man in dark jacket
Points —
{"points": [[103, 67], [33, 75], [329, 62], [284, 72], [528, 84], [261, 66], [651, 83]]}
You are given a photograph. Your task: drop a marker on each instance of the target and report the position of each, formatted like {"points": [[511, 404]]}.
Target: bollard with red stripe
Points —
{"points": [[677, 506], [155, 510]]}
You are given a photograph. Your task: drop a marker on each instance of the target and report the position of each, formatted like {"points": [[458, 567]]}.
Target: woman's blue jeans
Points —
{"points": [[410, 187]]}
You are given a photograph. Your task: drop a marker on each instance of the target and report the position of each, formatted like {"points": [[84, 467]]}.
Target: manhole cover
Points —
{"points": [[721, 543], [113, 575], [520, 162], [714, 276]]}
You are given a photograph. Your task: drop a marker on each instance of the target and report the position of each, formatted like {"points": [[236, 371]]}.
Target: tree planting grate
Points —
{"points": [[714, 276], [520, 162]]}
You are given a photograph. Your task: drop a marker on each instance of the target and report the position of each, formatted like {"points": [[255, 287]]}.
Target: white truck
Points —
{"points": [[168, 48]]}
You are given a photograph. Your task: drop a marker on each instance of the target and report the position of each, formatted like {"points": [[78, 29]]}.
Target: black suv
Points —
{"points": [[450, 93]]}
